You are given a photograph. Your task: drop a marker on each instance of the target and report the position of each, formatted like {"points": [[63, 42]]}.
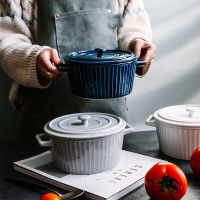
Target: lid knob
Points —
{"points": [[84, 119], [99, 52], [190, 112]]}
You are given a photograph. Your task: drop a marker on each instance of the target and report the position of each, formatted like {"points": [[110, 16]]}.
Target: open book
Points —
{"points": [[110, 185]]}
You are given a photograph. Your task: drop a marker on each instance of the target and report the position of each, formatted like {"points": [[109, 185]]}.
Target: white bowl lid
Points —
{"points": [[85, 125], [188, 114]]}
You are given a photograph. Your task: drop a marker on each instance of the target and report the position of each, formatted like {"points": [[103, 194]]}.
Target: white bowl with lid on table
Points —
{"points": [[178, 129], [85, 143]]}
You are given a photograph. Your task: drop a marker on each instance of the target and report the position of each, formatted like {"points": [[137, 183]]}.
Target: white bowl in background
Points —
{"points": [[178, 129]]}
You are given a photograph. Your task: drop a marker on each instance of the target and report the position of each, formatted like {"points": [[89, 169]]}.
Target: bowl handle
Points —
{"points": [[64, 67], [128, 129], [151, 121], [140, 63], [43, 141]]}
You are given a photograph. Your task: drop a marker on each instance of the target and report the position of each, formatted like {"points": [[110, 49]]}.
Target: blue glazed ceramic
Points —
{"points": [[101, 73]]}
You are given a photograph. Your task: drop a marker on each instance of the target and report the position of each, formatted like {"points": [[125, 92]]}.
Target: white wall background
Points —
{"points": [[174, 77]]}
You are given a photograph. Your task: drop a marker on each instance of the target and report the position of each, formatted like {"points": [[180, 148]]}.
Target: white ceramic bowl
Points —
{"points": [[178, 129], [85, 143]]}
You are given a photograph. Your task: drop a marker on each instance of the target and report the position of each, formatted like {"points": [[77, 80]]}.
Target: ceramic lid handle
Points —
{"points": [[84, 119], [190, 112], [99, 52]]}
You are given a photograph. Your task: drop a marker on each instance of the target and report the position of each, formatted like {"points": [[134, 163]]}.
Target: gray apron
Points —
{"points": [[70, 25]]}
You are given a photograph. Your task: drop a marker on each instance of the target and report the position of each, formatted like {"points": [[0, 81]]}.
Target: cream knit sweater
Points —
{"points": [[18, 28]]}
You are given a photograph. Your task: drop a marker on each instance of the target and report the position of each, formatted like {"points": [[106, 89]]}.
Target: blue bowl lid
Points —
{"points": [[111, 56]]}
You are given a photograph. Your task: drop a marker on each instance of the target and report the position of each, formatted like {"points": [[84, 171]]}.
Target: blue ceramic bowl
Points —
{"points": [[101, 73]]}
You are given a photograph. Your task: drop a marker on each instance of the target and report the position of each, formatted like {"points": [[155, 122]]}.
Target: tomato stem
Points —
{"points": [[169, 185]]}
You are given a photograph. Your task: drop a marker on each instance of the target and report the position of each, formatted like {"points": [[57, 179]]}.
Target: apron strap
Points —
{"points": [[117, 20]]}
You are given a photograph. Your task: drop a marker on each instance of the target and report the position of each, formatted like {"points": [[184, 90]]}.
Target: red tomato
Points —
{"points": [[195, 161], [50, 196], [165, 181]]}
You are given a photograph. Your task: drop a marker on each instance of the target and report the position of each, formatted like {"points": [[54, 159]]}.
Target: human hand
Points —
{"points": [[144, 51], [45, 63]]}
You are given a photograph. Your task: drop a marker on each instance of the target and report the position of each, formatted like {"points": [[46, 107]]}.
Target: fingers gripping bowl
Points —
{"points": [[178, 129], [85, 143]]}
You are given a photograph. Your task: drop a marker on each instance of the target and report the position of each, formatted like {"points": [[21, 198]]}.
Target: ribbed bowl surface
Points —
{"points": [[101, 82], [178, 142], [87, 156]]}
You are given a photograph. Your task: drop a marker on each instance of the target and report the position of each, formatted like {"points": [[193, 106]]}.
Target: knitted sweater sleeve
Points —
{"points": [[17, 53], [136, 23]]}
